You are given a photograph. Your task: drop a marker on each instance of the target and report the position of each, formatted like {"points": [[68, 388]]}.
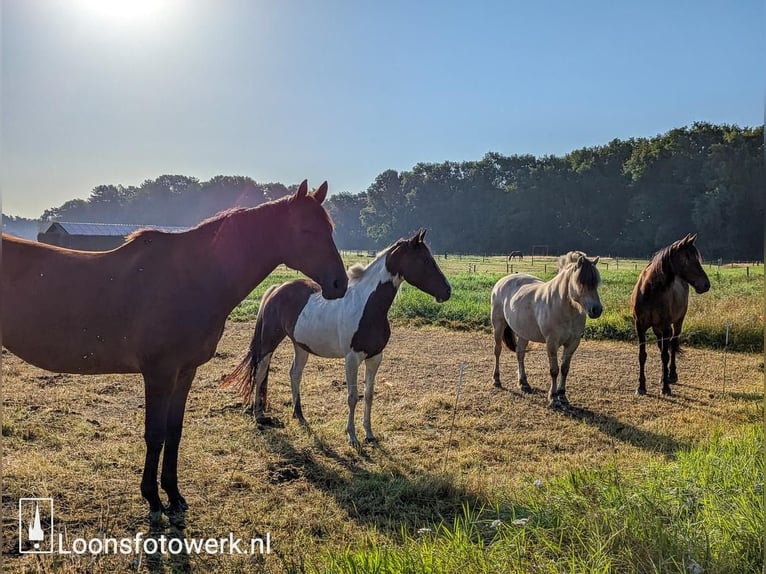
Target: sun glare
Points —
{"points": [[124, 11]]}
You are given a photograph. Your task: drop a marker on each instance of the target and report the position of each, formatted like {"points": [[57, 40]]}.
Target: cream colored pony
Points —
{"points": [[525, 308]]}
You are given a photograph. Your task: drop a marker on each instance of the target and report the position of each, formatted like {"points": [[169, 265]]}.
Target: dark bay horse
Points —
{"points": [[659, 300], [354, 327], [525, 308], [157, 305], [515, 255]]}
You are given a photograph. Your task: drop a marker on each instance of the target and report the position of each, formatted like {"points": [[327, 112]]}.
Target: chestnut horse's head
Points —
{"points": [[686, 262], [309, 246]]}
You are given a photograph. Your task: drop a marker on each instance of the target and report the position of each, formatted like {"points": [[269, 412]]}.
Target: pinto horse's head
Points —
{"points": [[309, 246], [584, 282], [686, 262], [412, 260]]}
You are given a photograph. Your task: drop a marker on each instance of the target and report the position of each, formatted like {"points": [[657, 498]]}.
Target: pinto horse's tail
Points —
{"points": [[509, 337], [242, 378]]}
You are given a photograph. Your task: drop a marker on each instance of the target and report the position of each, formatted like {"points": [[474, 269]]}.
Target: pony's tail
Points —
{"points": [[242, 378], [509, 337]]}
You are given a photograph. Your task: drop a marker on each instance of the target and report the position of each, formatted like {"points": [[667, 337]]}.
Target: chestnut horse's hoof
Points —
{"points": [[666, 391], [497, 384], [673, 378], [640, 391], [371, 440], [525, 388], [155, 517]]}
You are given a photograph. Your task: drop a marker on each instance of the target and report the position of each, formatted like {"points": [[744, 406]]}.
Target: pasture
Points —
{"points": [[613, 483]]}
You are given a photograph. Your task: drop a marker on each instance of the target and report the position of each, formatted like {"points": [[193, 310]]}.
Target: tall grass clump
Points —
{"points": [[701, 512]]}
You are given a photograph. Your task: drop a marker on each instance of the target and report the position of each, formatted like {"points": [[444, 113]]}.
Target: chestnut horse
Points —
{"points": [[354, 327], [157, 305], [553, 312], [659, 300]]}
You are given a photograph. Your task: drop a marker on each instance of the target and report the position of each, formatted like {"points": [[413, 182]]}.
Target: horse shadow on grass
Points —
{"points": [[389, 500], [626, 433]]}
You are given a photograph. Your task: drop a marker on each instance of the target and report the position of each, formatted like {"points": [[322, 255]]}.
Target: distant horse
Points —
{"points": [[515, 254], [157, 306], [354, 327], [660, 299], [553, 312]]}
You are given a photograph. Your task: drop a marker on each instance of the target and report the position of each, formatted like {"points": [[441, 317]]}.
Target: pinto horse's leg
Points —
{"points": [[641, 390], [157, 391], [352, 371], [300, 357], [521, 349], [371, 365], [566, 359], [664, 343], [175, 423]]}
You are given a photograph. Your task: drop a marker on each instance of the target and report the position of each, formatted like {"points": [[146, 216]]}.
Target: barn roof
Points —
{"points": [[105, 229]]}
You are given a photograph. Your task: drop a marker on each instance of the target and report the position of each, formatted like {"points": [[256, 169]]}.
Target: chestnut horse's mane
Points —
{"points": [[658, 272]]}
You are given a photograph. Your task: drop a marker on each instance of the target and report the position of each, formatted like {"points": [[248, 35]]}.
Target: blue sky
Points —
{"points": [[119, 91]]}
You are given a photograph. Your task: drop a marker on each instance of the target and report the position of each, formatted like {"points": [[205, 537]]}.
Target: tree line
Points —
{"points": [[625, 198]]}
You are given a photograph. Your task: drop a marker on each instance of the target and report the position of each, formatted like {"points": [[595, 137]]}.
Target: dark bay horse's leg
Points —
{"points": [[664, 343], [674, 344], [352, 372], [371, 365], [300, 357], [566, 359], [641, 390], [157, 390], [521, 349], [175, 423]]}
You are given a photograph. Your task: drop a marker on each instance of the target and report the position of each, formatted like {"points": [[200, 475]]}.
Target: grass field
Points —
{"points": [[735, 297], [487, 481]]}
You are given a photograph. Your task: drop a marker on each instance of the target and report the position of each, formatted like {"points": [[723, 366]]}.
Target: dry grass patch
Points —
{"points": [[79, 440]]}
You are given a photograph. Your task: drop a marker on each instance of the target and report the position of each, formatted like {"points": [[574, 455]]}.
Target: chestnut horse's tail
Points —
{"points": [[509, 337], [242, 378]]}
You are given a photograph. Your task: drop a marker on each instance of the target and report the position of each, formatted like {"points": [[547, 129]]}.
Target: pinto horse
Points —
{"points": [[525, 308], [157, 305], [659, 300], [354, 327]]}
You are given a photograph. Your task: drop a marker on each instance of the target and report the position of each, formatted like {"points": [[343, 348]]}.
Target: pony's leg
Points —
{"points": [[553, 362], [371, 365], [641, 390], [296, 373], [175, 423], [674, 344], [566, 359], [498, 327], [521, 349], [157, 399], [352, 370]]}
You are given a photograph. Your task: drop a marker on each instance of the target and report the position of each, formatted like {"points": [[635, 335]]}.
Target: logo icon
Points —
{"points": [[36, 525]]}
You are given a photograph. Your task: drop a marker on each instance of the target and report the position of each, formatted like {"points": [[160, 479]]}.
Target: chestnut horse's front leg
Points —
{"points": [[157, 390], [664, 342], [174, 428]]}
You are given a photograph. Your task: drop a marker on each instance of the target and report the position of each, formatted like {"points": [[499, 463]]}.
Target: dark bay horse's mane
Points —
{"points": [[658, 272]]}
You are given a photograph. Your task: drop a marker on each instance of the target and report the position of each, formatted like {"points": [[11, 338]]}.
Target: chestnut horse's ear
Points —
{"points": [[320, 193], [303, 189], [422, 235], [692, 238]]}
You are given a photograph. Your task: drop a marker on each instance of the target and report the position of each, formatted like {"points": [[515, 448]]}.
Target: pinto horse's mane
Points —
{"points": [[357, 271]]}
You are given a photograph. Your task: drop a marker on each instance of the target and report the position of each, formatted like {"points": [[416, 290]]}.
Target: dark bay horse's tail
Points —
{"points": [[243, 377], [509, 337]]}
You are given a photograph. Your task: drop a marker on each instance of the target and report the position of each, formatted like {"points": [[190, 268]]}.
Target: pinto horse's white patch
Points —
{"points": [[328, 326]]}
